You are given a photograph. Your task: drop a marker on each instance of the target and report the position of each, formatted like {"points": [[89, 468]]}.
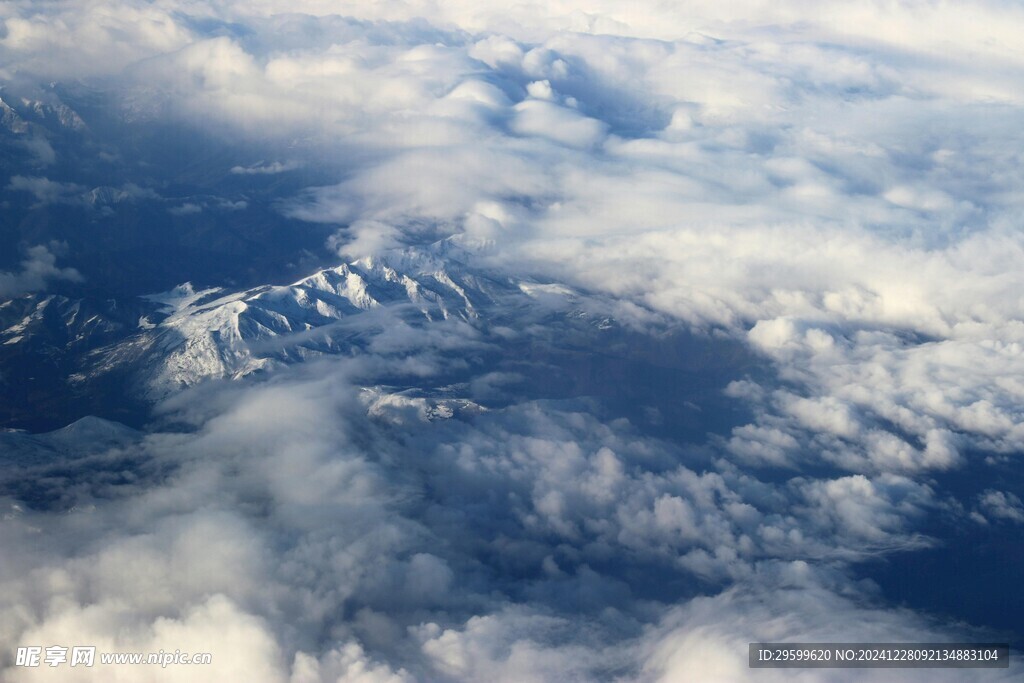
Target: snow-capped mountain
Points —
{"points": [[19, 114], [182, 337], [46, 357], [10, 119], [213, 333], [147, 348], [58, 321]]}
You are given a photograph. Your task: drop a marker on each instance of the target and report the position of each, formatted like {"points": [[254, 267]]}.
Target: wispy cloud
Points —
{"points": [[262, 168], [37, 270]]}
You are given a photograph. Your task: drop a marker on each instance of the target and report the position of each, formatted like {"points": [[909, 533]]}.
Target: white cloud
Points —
{"points": [[557, 123], [836, 187], [41, 149], [46, 191], [708, 637], [88, 38], [293, 535], [1002, 505], [37, 270], [261, 168], [186, 209], [347, 664]]}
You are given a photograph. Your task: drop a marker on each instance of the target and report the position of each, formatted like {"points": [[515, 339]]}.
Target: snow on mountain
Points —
{"points": [[58, 114], [10, 119], [73, 356], [148, 348], [86, 436], [105, 195], [18, 114], [215, 333], [404, 407], [50, 320]]}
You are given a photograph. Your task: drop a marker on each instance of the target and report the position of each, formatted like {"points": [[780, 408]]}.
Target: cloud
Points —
{"points": [[557, 123], [41, 149], [502, 545], [86, 39], [46, 191], [346, 664], [38, 269], [262, 168], [708, 637], [833, 188], [305, 531], [512, 645], [1001, 505], [186, 209], [193, 575]]}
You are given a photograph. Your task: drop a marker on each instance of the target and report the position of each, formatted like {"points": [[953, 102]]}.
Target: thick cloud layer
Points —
{"points": [[833, 186], [297, 538]]}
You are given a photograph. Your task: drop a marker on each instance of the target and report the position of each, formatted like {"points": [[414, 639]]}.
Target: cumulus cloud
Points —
{"points": [[1001, 505], [261, 168], [836, 188], [46, 191], [557, 123], [294, 538], [86, 39], [37, 270], [186, 209], [707, 638]]}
